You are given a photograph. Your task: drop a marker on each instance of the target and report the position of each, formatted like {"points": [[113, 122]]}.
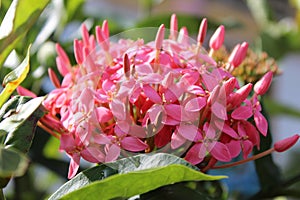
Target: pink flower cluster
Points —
{"points": [[166, 95]]}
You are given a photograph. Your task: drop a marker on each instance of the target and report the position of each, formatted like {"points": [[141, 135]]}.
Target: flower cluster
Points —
{"points": [[166, 95]]}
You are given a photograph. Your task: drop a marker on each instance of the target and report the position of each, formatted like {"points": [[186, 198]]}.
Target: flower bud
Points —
{"points": [[173, 27], [202, 31], [286, 143], [160, 37], [263, 84], [217, 39]]}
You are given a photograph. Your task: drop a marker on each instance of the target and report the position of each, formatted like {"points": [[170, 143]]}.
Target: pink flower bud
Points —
{"points": [[160, 37], [62, 54], [263, 84], [240, 95], [202, 31], [230, 85], [173, 27], [53, 78], [183, 36], [286, 143], [102, 41], [126, 65], [78, 48], [217, 38], [85, 35], [105, 29], [238, 54]]}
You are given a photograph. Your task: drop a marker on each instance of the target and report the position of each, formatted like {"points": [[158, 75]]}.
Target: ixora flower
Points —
{"points": [[169, 95]]}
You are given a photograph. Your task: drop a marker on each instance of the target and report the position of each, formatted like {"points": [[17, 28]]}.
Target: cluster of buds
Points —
{"points": [[167, 95]]}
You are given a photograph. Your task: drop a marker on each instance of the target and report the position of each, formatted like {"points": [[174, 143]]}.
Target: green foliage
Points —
{"points": [[14, 78], [17, 130], [131, 176], [19, 18]]}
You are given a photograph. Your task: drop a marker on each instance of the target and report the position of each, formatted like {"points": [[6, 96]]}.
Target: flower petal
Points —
{"points": [[242, 112], [193, 155], [221, 152], [113, 153], [261, 123], [133, 144]]}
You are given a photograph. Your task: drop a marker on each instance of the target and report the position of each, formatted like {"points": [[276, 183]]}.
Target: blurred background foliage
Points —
{"points": [[272, 26]]}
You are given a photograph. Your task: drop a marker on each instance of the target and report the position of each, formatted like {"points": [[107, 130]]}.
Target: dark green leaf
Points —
{"points": [[12, 162], [21, 15], [122, 166], [20, 125]]}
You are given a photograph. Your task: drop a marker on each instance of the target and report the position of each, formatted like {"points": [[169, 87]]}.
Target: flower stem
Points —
{"points": [[2, 197], [257, 156]]}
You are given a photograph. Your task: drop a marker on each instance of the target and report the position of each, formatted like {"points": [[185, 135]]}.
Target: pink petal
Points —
{"points": [[247, 147], [242, 112], [74, 165], [152, 94], [163, 137], [221, 152], [195, 104], [133, 144], [234, 147], [219, 110], [118, 109], [225, 128], [25, 92], [67, 142], [261, 123], [188, 131], [92, 154], [173, 27], [103, 114], [252, 133], [102, 139], [177, 140], [155, 111], [113, 153], [193, 155], [286, 143], [138, 131], [174, 111]]}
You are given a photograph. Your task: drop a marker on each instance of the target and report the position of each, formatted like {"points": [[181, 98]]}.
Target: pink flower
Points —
{"points": [[166, 94]]}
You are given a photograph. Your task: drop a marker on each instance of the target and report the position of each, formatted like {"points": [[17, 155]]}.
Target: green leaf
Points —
{"points": [[14, 78], [133, 183], [124, 166], [72, 6], [12, 162], [276, 108], [20, 17], [20, 125]]}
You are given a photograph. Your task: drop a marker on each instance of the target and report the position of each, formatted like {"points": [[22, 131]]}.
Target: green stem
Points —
{"points": [[2, 197]]}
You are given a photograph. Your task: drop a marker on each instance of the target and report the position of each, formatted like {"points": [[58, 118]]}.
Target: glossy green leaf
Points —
{"points": [[20, 17], [14, 78], [122, 166], [72, 6], [12, 162], [138, 182], [20, 124]]}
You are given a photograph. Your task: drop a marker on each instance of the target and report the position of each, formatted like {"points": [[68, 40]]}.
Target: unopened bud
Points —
{"points": [[286, 143], [263, 84], [217, 39]]}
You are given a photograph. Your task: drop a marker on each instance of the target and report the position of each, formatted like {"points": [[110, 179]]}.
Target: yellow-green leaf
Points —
{"points": [[138, 182], [20, 17], [14, 78]]}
